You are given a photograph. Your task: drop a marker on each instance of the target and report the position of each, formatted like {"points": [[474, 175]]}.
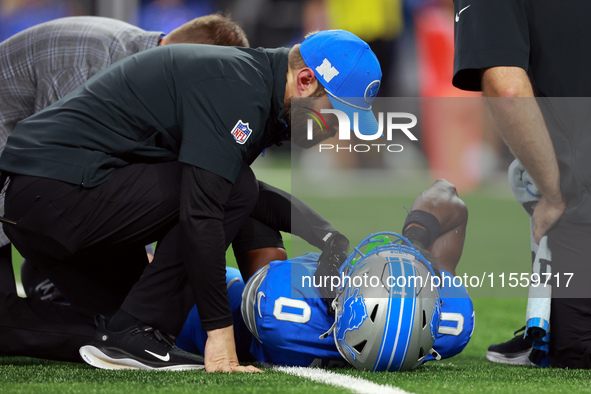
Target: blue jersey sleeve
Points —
{"points": [[457, 318], [287, 315], [193, 336]]}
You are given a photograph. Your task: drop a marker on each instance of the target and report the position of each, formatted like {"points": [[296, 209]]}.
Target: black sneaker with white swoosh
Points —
{"points": [[515, 351], [138, 347]]}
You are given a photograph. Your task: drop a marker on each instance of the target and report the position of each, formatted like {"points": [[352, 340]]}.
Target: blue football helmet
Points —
{"points": [[387, 312]]}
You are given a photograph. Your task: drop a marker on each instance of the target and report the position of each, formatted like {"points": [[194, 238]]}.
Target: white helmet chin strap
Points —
{"points": [[331, 329], [434, 353]]}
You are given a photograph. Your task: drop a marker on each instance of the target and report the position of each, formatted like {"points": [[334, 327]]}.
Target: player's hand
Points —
{"points": [[547, 213], [220, 352]]}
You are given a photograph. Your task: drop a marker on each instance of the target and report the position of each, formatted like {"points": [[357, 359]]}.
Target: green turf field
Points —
{"points": [[497, 241]]}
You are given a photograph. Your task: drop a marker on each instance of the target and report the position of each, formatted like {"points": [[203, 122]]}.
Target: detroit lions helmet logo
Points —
{"points": [[352, 317]]}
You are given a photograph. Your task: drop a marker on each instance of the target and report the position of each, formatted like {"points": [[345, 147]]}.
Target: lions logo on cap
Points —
{"points": [[371, 91], [241, 132]]}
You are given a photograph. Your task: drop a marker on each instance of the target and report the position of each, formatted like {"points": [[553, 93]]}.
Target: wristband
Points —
{"points": [[427, 233]]}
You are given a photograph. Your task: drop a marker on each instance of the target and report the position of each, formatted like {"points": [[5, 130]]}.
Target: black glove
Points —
{"points": [[333, 255]]}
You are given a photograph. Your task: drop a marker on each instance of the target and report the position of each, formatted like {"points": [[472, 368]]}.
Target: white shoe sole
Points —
{"points": [[519, 358], [93, 356]]}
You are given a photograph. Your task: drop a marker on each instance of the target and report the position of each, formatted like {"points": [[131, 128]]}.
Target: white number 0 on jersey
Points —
{"points": [[293, 317], [458, 318]]}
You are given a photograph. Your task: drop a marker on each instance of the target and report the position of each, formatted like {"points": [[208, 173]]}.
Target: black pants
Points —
{"points": [[570, 318], [34, 328], [7, 283], [59, 331], [90, 241]]}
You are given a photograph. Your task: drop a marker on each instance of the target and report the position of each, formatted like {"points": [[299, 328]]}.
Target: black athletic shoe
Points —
{"points": [[137, 348], [515, 351]]}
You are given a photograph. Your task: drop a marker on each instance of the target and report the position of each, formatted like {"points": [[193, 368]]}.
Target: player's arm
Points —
{"points": [[251, 261], [203, 196], [457, 318], [520, 123], [437, 222], [275, 211], [284, 212]]}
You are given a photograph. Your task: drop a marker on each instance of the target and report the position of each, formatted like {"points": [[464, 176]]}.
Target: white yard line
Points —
{"points": [[354, 384]]}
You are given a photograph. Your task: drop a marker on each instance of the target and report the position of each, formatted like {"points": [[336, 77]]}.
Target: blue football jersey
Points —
{"points": [[279, 312], [457, 319], [287, 315]]}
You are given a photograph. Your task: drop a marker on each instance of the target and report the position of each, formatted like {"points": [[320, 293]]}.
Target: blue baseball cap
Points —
{"points": [[349, 71]]}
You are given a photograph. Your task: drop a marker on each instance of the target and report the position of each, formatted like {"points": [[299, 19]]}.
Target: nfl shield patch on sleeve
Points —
{"points": [[241, 132]]}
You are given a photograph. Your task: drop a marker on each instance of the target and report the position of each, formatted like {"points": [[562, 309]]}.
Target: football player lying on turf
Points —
{"points": [[289, 317]]}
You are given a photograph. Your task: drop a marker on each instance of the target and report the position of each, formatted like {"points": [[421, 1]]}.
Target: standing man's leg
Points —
{"points": [[570, 318]]}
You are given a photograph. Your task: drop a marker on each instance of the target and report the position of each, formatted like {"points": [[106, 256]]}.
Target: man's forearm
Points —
{"points": [[203, 243], [520, 123]]}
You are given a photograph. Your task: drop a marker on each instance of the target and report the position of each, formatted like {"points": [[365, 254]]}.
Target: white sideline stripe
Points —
{"points": [[352, 383]]}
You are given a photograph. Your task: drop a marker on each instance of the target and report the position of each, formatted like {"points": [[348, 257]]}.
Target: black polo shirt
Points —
{"points": [[211, 107], [214, 108], [551, 40]]}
